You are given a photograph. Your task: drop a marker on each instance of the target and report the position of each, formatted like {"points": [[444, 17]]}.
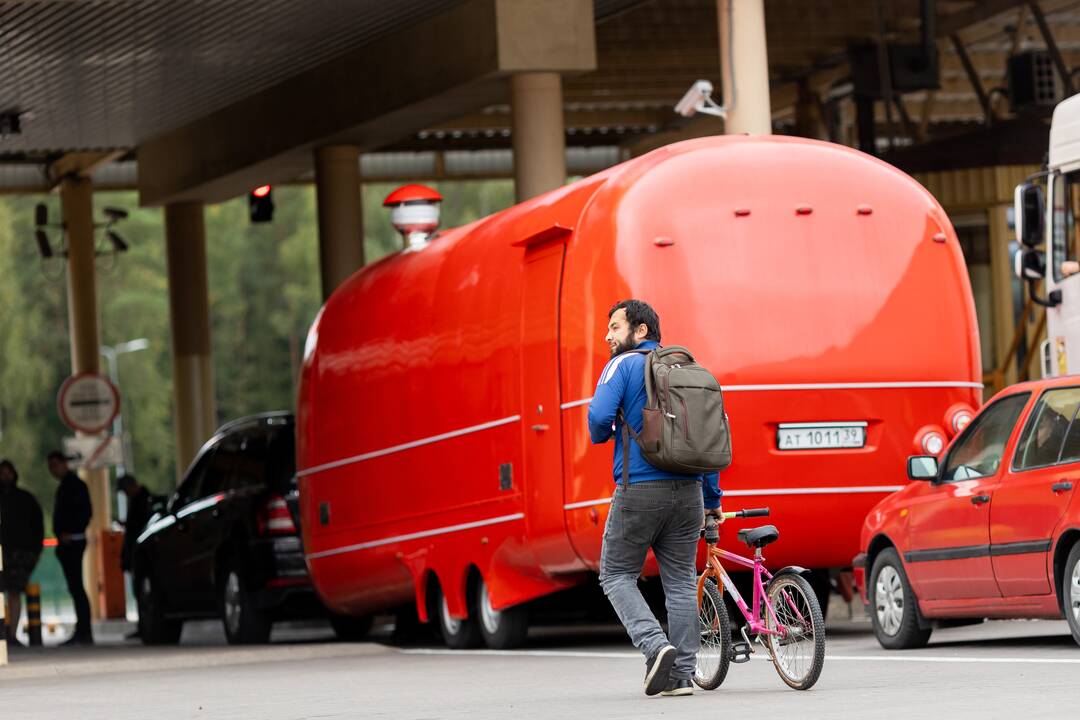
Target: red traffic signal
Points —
{"points": [[261, 204]]}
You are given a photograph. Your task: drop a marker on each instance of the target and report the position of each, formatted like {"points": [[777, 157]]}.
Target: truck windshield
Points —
{"points": [[1066, 215]]}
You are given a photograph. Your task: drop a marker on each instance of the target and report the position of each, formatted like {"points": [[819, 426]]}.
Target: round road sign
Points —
{"points": [[88, 403]]}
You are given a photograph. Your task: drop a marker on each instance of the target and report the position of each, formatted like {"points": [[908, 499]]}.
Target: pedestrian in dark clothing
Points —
{"points": [[656, 509], [22, 529], [71, 516], [141, 506]]}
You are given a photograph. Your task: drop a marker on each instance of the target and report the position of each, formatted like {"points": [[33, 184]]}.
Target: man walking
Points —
{"points": [[655, 509], [71, 515], [21, 531]]}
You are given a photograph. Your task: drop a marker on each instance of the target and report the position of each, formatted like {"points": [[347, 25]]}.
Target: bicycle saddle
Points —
{"points": [[759, 536]]}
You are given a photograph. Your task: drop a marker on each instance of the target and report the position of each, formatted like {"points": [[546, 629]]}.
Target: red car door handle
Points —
{"points": [[980, 499], [1061, 487]]}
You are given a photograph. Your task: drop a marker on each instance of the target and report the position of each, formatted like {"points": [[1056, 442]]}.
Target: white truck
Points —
{"points": [[1054, 226]]}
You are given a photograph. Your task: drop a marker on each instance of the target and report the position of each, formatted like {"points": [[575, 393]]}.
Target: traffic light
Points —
{"points": [[261, 204]]}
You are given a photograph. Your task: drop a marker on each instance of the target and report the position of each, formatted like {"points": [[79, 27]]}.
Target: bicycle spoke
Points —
{"points": [[793, 646]]}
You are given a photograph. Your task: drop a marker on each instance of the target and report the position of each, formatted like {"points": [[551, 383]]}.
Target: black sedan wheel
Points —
{"points": [[155, 628], [245, 623]]}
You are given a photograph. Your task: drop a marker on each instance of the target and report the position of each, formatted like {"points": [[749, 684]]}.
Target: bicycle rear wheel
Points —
{"points": [[714, 657], [799, 653]]}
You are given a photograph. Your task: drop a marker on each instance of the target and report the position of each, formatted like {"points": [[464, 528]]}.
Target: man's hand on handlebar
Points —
{"points": [[717, 513]]}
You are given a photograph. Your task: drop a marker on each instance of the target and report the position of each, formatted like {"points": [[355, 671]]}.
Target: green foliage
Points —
{"points": [[264, 292]]}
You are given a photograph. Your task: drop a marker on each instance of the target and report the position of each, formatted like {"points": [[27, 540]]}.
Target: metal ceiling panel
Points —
{"points": [[97, 74]]}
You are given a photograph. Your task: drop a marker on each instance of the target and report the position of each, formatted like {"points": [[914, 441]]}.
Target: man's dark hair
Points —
{"points": [[10, 466], [638, 312], [124, 482], [56, 455]]}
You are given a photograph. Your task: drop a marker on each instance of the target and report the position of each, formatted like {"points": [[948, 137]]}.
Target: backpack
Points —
{"points": [[685, 429]]}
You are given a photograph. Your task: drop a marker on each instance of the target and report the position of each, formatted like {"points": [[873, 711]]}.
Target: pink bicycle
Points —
{"points": [[785, 619]]}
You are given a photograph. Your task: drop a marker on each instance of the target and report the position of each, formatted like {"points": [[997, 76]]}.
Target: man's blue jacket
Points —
{"points": [[622, 385]]}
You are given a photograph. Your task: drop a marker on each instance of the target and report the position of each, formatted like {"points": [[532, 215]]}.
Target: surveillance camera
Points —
{"points": [[115, 214], [695, 98], [41, 215], [43, 244], [117, 242]]}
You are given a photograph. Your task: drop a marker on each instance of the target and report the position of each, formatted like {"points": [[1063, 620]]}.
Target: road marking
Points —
{"points": [[758, 656]]}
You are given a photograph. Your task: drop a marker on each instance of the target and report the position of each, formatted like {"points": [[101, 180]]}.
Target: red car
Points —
{"points": [[993, 529]]}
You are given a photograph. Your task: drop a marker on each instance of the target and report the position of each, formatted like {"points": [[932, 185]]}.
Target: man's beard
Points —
{"points": [[625, 346]]}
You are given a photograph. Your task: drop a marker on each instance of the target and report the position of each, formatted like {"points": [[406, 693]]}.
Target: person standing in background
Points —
{"points": [[22, 529], [71, 516]]}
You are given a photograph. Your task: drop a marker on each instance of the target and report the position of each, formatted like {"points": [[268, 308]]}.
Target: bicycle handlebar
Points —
{"points": [[755, 512], [712, 525]]}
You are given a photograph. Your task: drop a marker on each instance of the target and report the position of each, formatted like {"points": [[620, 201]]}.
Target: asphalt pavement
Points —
{"points": [[1028, 669]]}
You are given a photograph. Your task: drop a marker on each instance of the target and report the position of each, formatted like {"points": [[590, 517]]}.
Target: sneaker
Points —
{"points": [[678, 686], [658, 670]]}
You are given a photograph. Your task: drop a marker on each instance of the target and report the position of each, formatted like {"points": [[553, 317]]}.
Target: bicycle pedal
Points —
{"points": [[740, 651]]}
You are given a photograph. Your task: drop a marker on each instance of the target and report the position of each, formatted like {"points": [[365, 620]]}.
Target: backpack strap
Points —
{"points": [[627, 431]]}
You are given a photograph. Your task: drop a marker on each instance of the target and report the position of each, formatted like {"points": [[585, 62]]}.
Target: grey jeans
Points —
{"points": [[665, 515]]}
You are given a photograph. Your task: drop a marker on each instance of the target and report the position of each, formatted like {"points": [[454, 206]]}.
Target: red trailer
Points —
{"points": [[443, 452]]}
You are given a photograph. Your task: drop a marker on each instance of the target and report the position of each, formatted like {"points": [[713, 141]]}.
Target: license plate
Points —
{"points": [[820, 435]]}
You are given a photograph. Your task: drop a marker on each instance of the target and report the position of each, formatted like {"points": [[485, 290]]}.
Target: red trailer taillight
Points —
{"points": [[930, 440], [958, 417], [274, 518]]}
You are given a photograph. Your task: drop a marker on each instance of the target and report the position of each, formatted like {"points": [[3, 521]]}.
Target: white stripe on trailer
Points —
{"points": [[407, 446], [825, 386], [415, 536], [769, 491]]}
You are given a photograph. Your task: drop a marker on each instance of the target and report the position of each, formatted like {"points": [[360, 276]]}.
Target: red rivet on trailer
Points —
{"points": [[663, 241], [742, 212], [804, 210], [938, 237], [864, 210]]}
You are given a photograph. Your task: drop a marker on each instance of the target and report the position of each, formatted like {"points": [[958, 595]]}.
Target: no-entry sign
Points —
{"points": [[88, 402]]}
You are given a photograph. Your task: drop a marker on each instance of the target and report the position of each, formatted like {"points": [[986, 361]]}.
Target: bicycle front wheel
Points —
{"points": [[798, 650], [714, 656]]}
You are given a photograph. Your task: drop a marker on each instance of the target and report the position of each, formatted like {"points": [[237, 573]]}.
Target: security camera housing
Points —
{"points": [[694, 99]]}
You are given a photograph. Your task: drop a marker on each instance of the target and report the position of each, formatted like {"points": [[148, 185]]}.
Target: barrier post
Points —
{"points": [[3, 612], [33, 613]]}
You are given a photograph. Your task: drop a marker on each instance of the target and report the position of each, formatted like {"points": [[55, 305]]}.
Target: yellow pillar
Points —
{"points": [[1001, 275], [341, 226], [744, 66], [78, 212], [189, 314], [538, 134]]}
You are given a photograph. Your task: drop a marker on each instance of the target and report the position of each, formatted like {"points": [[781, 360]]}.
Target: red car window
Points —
{"points": [[1041, 444], [978, 452]]}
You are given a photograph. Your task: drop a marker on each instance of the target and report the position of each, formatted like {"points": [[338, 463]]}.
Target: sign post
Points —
{"points": [[88, 402]]}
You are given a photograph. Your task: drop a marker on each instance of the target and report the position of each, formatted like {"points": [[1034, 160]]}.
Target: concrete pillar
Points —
{"points": [[78, 212], [189, 315], [745, 66], [341, 225], [538, 133]]}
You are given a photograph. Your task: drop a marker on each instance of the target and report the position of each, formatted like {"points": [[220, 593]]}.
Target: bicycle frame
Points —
{"points": [[754, 616]]}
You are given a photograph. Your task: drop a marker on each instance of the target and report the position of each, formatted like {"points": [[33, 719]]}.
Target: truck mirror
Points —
{"points": [[1029, 208], [1030, 264]]}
